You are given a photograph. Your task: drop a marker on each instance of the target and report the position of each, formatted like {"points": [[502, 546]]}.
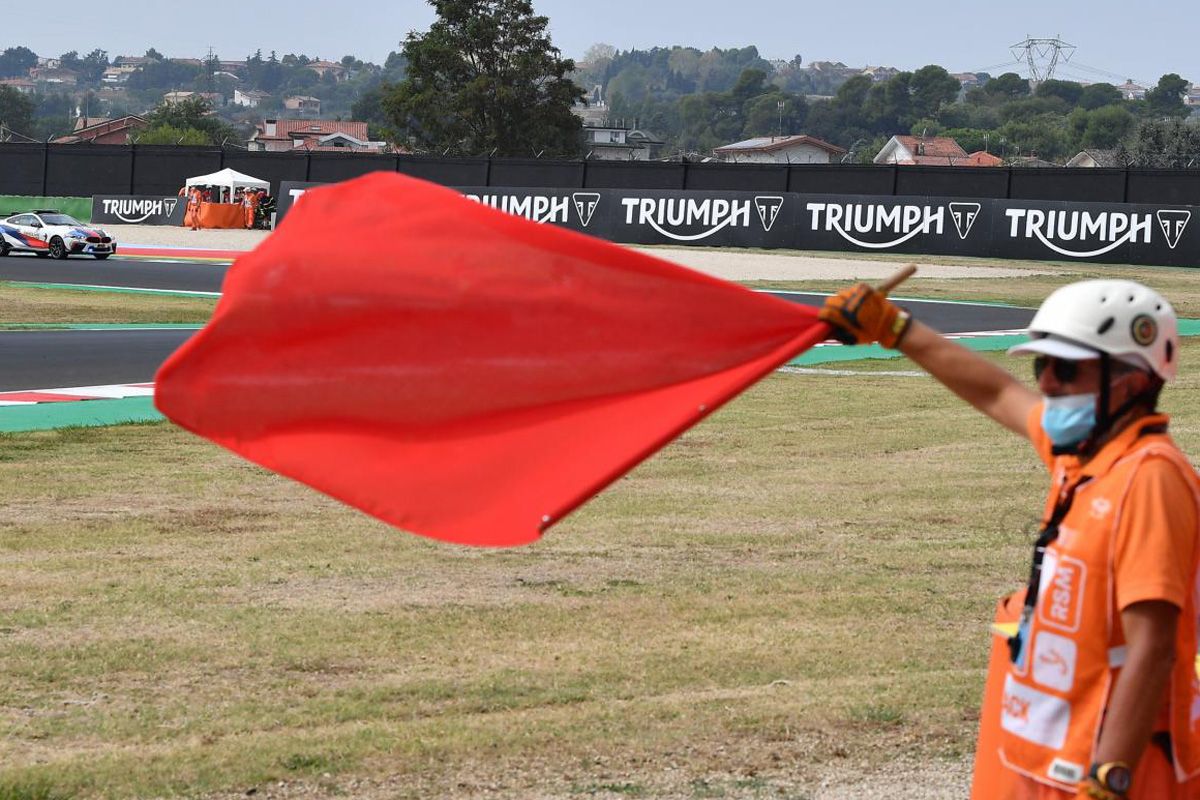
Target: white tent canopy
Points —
{"points": [[229, 179]]}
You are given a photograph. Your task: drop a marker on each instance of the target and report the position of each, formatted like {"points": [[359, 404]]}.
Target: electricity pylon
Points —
{"points": [[1042, 56]]}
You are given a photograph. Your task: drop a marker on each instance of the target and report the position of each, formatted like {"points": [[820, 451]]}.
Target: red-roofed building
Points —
{"points": [[283, 135], [22, 85], [323, 68], [780, 150], [982, 158], [98, 130], [924, 150]]}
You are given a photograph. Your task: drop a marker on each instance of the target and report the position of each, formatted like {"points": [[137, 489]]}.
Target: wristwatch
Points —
{"points": [[1114, 776]]}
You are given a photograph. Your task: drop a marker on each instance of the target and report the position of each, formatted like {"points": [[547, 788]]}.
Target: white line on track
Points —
{"points": [[902, 299], [854, 372]]}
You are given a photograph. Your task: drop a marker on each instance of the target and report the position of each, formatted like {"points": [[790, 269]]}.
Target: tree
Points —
{"points": [[1008, 86], [485, 77], [169, 134], [395, 67], [17, 61], [91, 67], [1165, 144], [1067, 91], [1044, 136], [1107, 127], [191, 113], [932, 87], [1098, 95], [1166, 99], [764, 117], [974, 139], [888, 107], [596, 60], [749, 84], [16, 111], [155, 55], [161, 76]]}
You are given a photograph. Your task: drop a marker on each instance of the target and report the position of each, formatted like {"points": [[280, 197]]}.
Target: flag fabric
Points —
{"points": [[459, 372]]}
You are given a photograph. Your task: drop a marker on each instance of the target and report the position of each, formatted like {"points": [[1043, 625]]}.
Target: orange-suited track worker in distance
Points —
{"points": [[191, 217], [250, 206], [1092, 690]]}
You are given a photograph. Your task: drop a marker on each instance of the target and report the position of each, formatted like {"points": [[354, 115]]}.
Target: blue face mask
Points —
{"points": [[1069, 419]]}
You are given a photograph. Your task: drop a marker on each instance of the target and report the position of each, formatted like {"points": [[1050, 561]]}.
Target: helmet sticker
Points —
{"points": [[1144, 329]]}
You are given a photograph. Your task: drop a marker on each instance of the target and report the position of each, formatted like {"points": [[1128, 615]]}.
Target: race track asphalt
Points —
{"points": [[178, 276], [61, 358]]}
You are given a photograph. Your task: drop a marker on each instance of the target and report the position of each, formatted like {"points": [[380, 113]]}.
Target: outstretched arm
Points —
{"points": [[860, 314], [983, 384]]}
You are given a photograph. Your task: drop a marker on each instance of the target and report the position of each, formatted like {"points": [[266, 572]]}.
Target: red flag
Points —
{"points": [[459, 372]]}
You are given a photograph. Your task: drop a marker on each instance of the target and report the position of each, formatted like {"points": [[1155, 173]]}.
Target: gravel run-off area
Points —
{"points": [[733, 265]]}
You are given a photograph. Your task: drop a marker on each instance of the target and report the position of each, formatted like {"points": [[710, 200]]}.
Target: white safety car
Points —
{"points": [[49, 234]]}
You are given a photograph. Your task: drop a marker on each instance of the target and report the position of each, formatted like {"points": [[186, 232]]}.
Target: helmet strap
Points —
{"points": [[1104, 419]]}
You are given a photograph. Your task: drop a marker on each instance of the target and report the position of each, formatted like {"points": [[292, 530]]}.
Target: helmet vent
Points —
{"points": [[1170, 350], [1158, 307], [1103, 298], [1104, 326], [1131, 298]]}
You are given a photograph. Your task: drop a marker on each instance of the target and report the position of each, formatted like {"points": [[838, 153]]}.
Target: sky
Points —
{"points": [[1111, 44]]}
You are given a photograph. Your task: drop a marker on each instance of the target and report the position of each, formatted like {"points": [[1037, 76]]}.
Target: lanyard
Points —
{"points": [[1046, 536]]}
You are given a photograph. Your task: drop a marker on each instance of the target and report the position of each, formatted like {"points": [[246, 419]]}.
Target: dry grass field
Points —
{"points": [[791, 601], [22, 306]]}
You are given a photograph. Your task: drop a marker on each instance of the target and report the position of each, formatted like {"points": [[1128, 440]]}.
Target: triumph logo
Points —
{"points": [[1173, 224], [585, 206], [964, 216], [667, 215], [852, 221], [768, 210], [536, 208], [1085, 229], [135, 211]]}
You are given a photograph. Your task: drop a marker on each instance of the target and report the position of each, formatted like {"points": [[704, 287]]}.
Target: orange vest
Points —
{"points": [[1055, 696]]}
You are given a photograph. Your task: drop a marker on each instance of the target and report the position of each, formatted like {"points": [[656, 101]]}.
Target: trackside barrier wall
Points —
{"points": [[85, 170], [78, 207], [1124, 233]]}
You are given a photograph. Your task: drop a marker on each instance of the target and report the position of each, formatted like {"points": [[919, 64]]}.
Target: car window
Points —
{"points": [[59, 219], [20, 219]]}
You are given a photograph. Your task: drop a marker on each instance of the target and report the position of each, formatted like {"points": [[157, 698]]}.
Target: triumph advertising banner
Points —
{"points": [[982, 227], [1112, 232], [137, 209], [932, 226]]}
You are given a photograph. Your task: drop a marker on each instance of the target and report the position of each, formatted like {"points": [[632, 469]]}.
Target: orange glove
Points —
{"points": [[861, 315]]}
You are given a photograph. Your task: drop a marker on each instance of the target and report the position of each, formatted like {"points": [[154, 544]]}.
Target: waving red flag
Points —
{"points": [[459, 372]]}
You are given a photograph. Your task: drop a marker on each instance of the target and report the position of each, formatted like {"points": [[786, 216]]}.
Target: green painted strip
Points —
{"points": [[89, 413], [99, 326], [828, 355], [83, 287], [981, 344], [1189, 327], [78, 207]]}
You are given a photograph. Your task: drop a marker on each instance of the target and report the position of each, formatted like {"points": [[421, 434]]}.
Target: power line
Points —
{"points": [[996, 66], [1107, 74], [1041, 56]]}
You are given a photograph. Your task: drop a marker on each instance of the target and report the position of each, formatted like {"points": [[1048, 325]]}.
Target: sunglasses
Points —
{"points": [[1064, 371]]}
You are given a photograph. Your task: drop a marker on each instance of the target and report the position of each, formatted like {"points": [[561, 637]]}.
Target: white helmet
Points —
{"points": [[1124, 319]]}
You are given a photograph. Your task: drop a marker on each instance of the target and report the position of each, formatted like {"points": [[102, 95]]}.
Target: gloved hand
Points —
{"points": [[1091, 789], [861, 315]]}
